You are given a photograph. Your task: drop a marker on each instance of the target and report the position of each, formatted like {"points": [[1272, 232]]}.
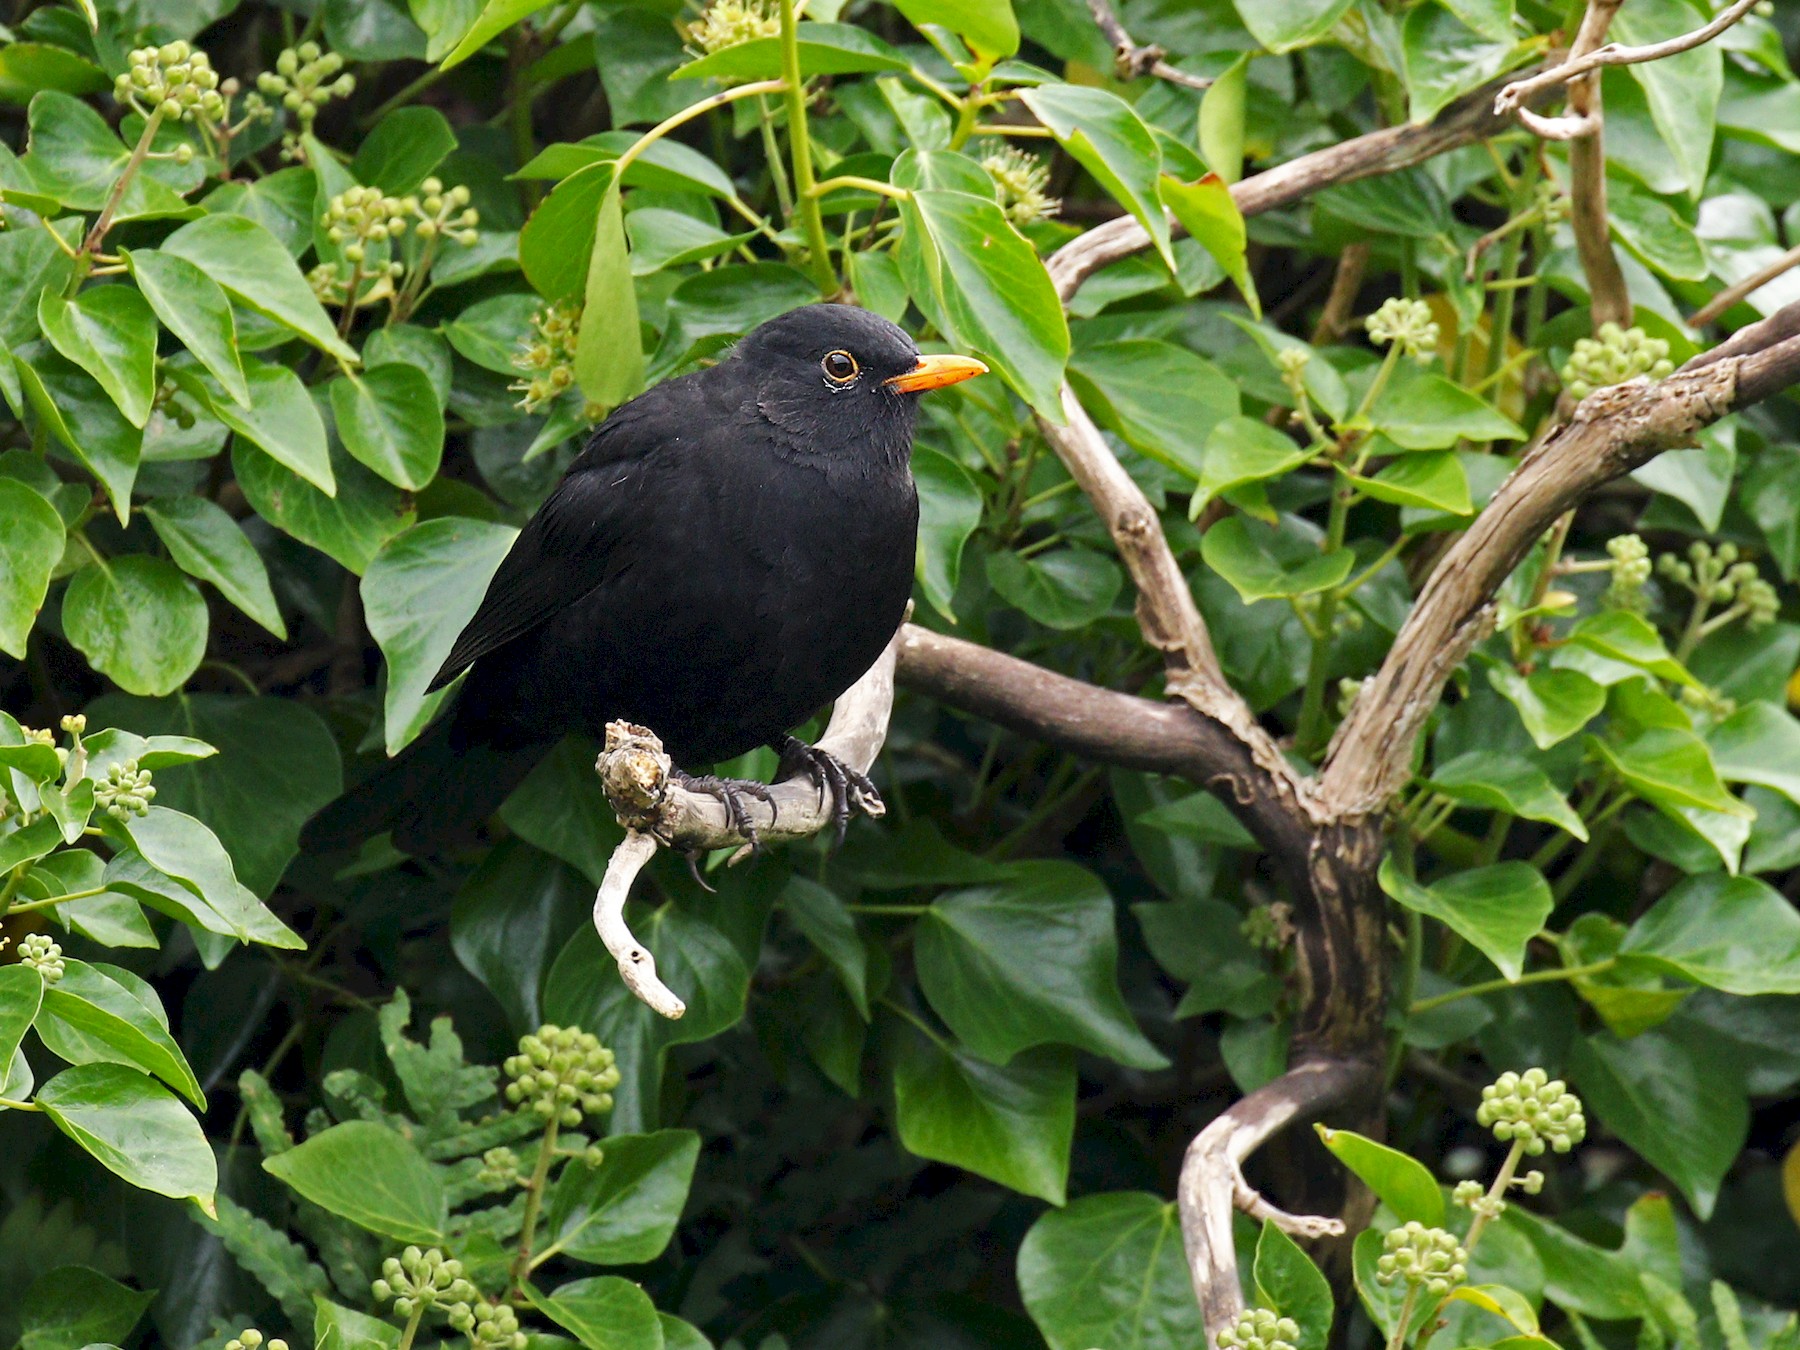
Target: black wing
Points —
{"points": [[571, 545]]}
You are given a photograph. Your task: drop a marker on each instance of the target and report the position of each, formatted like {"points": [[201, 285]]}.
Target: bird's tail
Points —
{"points": [[431, 796]]}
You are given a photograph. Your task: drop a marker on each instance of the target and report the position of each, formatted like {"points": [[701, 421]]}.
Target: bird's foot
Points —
{"points": [[850, 788], [730, 793]]}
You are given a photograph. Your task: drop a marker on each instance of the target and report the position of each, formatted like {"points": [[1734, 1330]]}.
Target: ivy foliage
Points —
{"points": [[307, 305]]}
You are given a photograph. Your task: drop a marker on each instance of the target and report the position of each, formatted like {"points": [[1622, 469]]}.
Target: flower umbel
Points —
{"points": [[563, 1074], [420, 1280], [175, 79], [1614, 356], [125, 791], [1533, 1109], [43, 954], [1260, 1329], [489, 1326], [1630, 569], [1024, 182], [731, 23], [1426, 1258], [1407, 324], [252, 1339], [305, 79]]}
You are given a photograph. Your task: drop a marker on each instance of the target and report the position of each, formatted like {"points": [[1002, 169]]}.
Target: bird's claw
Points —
{"points": [[850, 788], [730, 793]]}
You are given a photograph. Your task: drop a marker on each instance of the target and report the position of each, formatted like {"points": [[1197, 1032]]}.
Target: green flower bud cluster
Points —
{"points": [[1292, 363], [125, 791], [422, 1280], [359, 216], [170, 404], [1260, 1329], [1348, 690], [176, 80], [1426, 1258], [1407, 324], [305, 79], [563, 1074], [252, 1339], [731, 23], [43, 954], [40, 736], [1024, 183], [1630, 570], [1534, 1109], [547, 357], [489, 1326], [444, 211], [1612, 357], [1720, 577], [74, 723], [1552, 203], [499, 1168]]}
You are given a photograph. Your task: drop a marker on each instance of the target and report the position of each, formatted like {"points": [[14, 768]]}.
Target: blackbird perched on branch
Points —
{"points": [[730, 552]]}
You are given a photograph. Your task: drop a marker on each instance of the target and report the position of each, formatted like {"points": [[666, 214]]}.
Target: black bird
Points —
{"points": [[730, 551]]}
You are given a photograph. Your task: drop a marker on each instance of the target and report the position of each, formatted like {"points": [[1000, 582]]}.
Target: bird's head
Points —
{"points": [[843, 378]]}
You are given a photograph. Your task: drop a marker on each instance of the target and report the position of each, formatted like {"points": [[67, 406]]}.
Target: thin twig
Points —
{"points": [[1735, 292], [1511, 98], [1134, 60]]}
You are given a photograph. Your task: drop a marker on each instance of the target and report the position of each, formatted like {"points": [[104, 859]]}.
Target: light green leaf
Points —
{"points": [[110, 332], [1030, 961], [604, 1313], [74, 1306], [1013, 1125], [1282, 25], [1434, 480], [1759, 743], [557, 243], [1553, 704], [404, 147], [1065, 588], [1420, 411], [134, 1128], [255, 268], [207, 543], [1504, 782], [1683, 90], [367, 1174], [1498, 908], [281, 418], [1651, 229], [825, 49], [81, 416], [609, 352], [988, 26], [949, 511], [1235, 550], [184, 849], [192, 306], [1109, 1271], [1103, 134], [139, 622], [1210, 215], [1244, 450], [1671, 769], [1445, 59], [31, 545], [1163, 399], [494, 18], [1290, 1285], [1732, 933], [419, 593], [21, 991], [1402, 1182], [1624, 636], [624, 1211], [1222, 121], [390, 420], [104, 1014], [350, 525]]}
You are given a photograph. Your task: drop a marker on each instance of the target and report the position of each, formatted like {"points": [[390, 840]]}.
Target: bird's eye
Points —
{"points": [[840, 367]]}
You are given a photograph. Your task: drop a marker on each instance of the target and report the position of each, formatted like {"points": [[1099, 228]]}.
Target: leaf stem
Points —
{"points": [[29, 905], [104, 221], [1425, 1005], [1401, 1323], [412, 1326], [865, 184], [800, 148], [688, 114], [1309, 731], [1496, 1192], [8, 1104], [534, 1200]]}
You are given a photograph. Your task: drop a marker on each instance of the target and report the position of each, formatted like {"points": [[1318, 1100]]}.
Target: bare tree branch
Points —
{"points": [[1735, 292], [1515, 94], [1134, 61], [657, 810], [1212, 1181], [1609, 301], [1613, 431]]}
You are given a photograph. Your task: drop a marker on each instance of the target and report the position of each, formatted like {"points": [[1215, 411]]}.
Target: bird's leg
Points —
{"points": [[730, 793], [849, 787]]}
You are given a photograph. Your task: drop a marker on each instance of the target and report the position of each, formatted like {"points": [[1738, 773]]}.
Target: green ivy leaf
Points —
{"points": [[1104, 134], [1011, 1124], [1030, 961], [1289, 1284], [192, 306], [367, 1174], [825, 49], [624, 1211], [1237, 552], [1421, 411], [1163, 399], [1503, 782], [134, 1128], [281, 419], [81, 416], [1210, 215], [185, 850], [390, 420], [1108, 1270], [1671, 769], [1732, 933], [101, 1013], [609, 352], [403, 148], [1066, 588], [76, 158], [139, 622], [1759, 743], [1282, 25], [493, 19], [21, 992], [818, 913], [1623, 636], [1683, 90], [1445, 59], [1434, 480], [419, 593], [31, 546], [255, 269], [1498, 908], [1553, 704], [510, 919], [558, 241], [350, 524], [949, 510], [1403, 1183], [1243, 450], [110, 332], [1687, 1116], [74, 1306], [604, 1313], [988, 26], [208, 544]]}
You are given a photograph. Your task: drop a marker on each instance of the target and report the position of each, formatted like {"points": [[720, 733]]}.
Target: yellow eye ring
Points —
{"points": [[840, 367]]}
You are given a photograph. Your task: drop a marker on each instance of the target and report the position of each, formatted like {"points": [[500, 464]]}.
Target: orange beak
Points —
{"points": [[934, 372]]}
